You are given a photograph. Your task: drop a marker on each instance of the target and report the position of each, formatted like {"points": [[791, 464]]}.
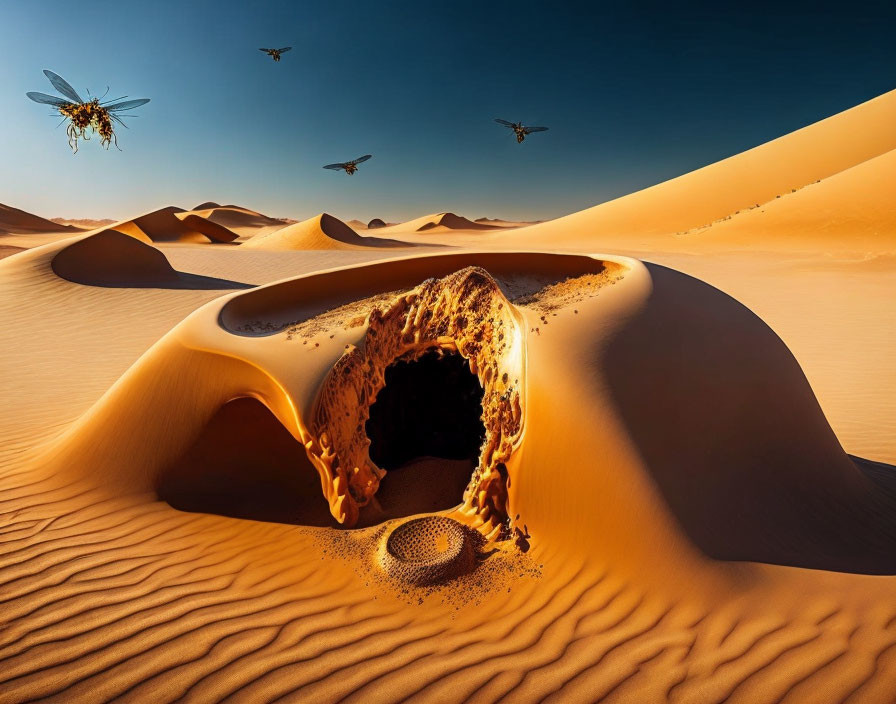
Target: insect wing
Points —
{"points": [[60, 84], [504, 122], [284, 49], [127, 105], [335, 166], [529, 130], [265, 50], [361, 159], [47, 99]]}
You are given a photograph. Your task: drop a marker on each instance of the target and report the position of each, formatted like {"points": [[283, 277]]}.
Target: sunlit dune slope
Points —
{"points": [[320, 232], [852, 211], [174, 224], [438, 222], [743, 181], [242, 221], [15, 221]]}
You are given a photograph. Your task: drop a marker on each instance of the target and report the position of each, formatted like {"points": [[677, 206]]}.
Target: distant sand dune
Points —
{"points": [[438, 222], [237, 219], [111, 258], [173, 224], [320, 232], [15, 221]]}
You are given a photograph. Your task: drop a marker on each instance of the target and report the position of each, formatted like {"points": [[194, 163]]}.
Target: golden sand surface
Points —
{"points": [[684, 490]]}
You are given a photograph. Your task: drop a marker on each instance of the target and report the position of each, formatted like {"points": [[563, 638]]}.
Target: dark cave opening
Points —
{"points": [[425, 429], [430, 407]]}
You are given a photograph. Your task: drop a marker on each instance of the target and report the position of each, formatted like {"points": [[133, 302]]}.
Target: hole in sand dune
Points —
{"points": [[245, 464], [425, 429]]}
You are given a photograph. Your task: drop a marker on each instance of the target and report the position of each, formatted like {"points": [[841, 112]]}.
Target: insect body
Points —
{"points": [[275, 53], [85, 116], [520, 129], [349, 166]]}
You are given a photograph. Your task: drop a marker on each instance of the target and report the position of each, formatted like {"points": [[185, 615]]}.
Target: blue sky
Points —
{"points": [[633, 93]]}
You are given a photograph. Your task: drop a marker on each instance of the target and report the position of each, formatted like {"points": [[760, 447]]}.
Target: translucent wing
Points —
{"points": [[60, 84], [504, 122], [286, 48], [361, 159], [47, 99], [335, 166], [529, 130], [265, 50], [127, 105]]}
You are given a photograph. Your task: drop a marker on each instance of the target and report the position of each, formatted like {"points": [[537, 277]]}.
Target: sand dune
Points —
{"points": [[172, 224], [84, 223], [498, 222], [320, 232], [438, 222], [113, 259], [18, 222], [751, 179], [243, 221], [851, 211]]}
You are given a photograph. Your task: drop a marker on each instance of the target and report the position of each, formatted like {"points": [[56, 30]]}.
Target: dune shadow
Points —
{"points": [[111, 259], [735, 440]]}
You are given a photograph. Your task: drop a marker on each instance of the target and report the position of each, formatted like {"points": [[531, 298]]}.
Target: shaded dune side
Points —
{"points": [[852, 210], [113, 259], [320, 232], [173, 224], [753, 177], [233, 216], [731, 432], [16, 221]]}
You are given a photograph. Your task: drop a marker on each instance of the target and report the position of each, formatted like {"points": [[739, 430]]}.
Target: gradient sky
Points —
{"points": [[633, 93]]}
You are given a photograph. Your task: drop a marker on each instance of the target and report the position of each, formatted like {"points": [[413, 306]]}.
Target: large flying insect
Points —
{"points": [[84, 117], [275, 53], [520, 129], [349, 166]]}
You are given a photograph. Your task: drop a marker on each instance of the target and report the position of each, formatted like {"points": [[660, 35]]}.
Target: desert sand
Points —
{"points": [[663, 430]]}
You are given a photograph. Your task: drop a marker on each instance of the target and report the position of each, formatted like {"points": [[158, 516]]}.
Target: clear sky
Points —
{"points": [[633, 93]]}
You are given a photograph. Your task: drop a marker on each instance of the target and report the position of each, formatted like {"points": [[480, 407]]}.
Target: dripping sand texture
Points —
{"points": [[685, 490]]}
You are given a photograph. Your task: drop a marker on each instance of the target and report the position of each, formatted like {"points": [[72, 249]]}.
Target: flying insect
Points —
{"points": [[520, 129], [88, 116], [349, 166], [275, 53]]}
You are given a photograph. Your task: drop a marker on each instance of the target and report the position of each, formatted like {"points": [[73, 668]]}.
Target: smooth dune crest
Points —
{"points": [[172, 224], [439, 222], [738, 183], [318, 233]]}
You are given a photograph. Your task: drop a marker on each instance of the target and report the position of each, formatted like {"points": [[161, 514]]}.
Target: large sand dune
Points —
{"points": [[659, 505], [753, 179]]}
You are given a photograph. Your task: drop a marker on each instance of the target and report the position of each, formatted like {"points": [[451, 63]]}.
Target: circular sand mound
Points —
{"points": [[427, 551]]}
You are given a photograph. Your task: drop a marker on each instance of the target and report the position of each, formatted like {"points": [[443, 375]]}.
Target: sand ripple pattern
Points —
{"points": [[125, 598]]}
